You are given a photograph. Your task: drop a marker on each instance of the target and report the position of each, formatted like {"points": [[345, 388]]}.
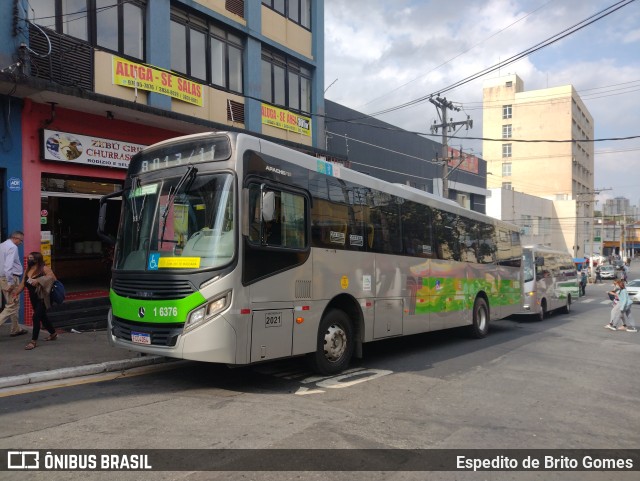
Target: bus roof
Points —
{"points": [[305, 160]]}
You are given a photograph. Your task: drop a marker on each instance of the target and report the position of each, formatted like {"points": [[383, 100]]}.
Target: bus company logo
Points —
{"points": [[64, 146], [141, 312], [278, 171], [23, 460]]}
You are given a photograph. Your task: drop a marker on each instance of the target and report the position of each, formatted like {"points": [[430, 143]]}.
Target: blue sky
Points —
{"points": [[386, 53]]}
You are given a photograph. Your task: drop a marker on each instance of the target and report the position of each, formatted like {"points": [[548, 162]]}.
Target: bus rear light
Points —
{"points": [[245, 311]]}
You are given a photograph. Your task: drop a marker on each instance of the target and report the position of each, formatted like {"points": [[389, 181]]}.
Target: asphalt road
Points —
{"points": [[564, 383]]}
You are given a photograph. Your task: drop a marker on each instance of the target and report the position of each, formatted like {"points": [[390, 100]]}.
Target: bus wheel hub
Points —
{"points": [[335, 343]]}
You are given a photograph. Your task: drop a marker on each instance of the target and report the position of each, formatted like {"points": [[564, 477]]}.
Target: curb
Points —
{"points": [[70, 372]]}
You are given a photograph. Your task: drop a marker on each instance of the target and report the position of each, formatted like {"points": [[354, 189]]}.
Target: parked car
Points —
{"points": [[607, 272], [633, 288], [618, 264]]}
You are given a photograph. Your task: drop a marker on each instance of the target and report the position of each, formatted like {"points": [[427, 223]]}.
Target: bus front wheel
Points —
{"points": [[335, 343], [480, 326]]}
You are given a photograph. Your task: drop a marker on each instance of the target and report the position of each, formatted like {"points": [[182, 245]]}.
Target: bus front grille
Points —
{"points": [[161, 335], [149, 288]]}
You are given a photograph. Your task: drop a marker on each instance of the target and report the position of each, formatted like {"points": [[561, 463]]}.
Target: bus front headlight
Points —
{"points": [[206, 312]]}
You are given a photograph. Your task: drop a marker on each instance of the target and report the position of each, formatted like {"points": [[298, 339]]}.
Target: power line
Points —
{"points": [[545, 43], [428, 134], [459, 55]]}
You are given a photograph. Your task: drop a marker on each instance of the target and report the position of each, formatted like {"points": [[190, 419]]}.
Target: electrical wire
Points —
{"points": [[460, 54], [539, 46]]}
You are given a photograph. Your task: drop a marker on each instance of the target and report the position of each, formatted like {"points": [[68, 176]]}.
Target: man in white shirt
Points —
{"points": [[10, 272]]}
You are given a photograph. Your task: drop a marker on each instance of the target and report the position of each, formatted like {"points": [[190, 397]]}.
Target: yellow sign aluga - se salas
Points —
{"points": [[283, 119], [135, 75]]}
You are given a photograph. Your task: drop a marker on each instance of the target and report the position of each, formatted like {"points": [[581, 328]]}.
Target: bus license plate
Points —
{"points": [[140, 337]]}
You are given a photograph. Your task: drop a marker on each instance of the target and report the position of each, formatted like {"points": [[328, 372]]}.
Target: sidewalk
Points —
{"points": [[71, 355]]}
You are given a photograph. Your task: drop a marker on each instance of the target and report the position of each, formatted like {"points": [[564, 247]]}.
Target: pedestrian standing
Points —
{"points": [[10, 273], [39, 280], [598, 276]]}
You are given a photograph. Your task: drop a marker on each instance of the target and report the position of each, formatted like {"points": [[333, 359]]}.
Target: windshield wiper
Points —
{"points": [[189, 175], [137, 214]]}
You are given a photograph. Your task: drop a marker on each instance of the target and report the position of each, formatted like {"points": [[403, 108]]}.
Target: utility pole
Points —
{"points": [[589, 201], [442, 105]]}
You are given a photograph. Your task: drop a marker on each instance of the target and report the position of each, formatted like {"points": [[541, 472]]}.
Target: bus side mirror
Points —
{"points": [[102, 218]]}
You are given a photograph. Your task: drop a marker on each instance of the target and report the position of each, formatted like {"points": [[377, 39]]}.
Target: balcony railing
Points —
{"points": [[70, 62]]}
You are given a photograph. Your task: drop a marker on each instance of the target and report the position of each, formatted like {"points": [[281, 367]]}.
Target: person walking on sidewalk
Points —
{"points": [[10, 273], [38, 280]]}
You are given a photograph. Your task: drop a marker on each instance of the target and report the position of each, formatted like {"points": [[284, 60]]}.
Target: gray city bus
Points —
{"points": [[236, 250], [550, 281]]}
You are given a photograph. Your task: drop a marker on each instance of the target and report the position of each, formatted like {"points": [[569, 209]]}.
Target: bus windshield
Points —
{"points": [[181, 222]]}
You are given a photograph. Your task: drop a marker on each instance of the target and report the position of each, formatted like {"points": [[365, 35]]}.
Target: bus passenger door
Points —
{"points": [[271, 334], [387, 318]]}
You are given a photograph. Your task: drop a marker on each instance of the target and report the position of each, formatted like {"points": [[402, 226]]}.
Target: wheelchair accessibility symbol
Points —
{"points": [[153, 262]]}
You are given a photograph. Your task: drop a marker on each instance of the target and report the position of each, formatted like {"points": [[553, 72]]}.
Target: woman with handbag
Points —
{"points": [[38, 280]]}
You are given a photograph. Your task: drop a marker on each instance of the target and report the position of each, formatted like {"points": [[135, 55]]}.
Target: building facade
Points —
{"points": [[87, 83], [385, 151], [619, 206], [518, 122]]}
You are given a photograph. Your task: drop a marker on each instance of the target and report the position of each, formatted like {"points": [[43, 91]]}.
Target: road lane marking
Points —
{"points": [[303, 391]]}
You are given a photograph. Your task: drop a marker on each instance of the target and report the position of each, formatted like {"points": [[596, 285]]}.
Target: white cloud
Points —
{"points": [[388, 53]]}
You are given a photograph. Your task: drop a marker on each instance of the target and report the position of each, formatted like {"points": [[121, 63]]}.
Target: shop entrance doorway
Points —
{"points": [[69, 224]]}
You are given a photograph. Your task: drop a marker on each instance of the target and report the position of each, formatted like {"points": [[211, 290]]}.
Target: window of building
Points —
{"points": [[298, 11], [206, 51], [506, 169], [506, 150], [525, 225], [506, 186], [115, 26], [74, 18], [506, 131], [509, 84], [285, 82], [506, 111], [226, 59]]}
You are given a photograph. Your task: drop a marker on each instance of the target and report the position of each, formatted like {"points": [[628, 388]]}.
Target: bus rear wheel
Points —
{"points": [[335, 343], [480, 325]]}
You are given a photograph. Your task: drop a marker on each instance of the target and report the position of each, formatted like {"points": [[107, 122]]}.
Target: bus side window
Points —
{"points": [[271, 218]]}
